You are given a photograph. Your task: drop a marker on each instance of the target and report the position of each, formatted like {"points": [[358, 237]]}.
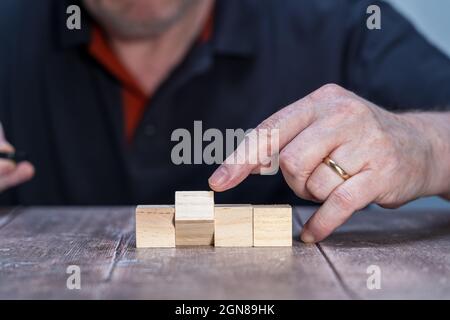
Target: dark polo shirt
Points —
{"points": [[63, 108]]}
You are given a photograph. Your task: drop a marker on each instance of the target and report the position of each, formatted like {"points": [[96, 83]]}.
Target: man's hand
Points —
{"points": [[391, 158], [12, 174]]}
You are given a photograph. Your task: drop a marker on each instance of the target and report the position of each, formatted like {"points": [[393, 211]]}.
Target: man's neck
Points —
{"points": [[151, 60]]}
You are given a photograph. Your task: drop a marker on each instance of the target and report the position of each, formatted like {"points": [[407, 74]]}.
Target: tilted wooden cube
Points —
{"points": [[233, 226], [155, 226], [272, 225], [194, 218]]}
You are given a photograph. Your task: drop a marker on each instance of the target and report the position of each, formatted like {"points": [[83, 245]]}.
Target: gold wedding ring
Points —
{"points": [[336, 168]]}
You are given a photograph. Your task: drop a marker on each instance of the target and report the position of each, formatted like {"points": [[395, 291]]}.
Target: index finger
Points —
{"points": [[251, 153]]}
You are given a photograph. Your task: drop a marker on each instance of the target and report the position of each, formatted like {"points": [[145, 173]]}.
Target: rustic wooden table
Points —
{"points": [[37, 244]]}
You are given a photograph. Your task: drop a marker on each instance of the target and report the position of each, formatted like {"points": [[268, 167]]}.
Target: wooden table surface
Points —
{"points": [[37, 244]]}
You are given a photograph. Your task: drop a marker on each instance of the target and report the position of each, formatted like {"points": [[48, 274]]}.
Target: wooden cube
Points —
{"points": [[194, 218], [272, 225], [155, 226], [194, 232], [194, 205], [233, 226]]}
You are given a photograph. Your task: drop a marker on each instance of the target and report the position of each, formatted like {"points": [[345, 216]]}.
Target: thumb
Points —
{"points": [[5, 146]]}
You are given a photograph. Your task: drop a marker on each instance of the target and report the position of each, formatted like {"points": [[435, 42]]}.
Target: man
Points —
{"points": [[95, 108]]}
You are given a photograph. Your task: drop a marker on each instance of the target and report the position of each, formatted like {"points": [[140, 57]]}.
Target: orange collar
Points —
{"points": [[102, 52], [134, 99]]}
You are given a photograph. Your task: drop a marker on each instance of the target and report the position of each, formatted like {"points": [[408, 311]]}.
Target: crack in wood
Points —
{"points": [[350, 294], [120, 248], [345, 288], [9, 217], [114, 259]]}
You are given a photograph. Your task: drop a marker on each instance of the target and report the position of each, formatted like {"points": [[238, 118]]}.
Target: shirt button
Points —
{"points": [[150, 130]]}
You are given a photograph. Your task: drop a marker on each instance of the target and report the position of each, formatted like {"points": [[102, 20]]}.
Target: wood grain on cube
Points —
{"points": [[194, 233], [194, 205], [155, 226], [233, 226], [194, 218], [272, 225]]}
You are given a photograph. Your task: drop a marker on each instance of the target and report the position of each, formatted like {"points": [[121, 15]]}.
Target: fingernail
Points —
{"points": [[307, 237], [219, 177]]}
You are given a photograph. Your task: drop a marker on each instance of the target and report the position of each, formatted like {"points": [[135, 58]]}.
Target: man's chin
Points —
{"points": [[135, 31], [147, 25]]}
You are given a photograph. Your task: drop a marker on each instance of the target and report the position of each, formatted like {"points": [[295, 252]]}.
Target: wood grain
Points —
{"points": [[7, 214], [410, 247], [194, 233], [194, 205], [194, 218], [297, 272], [272, 225], [39, 243], [155, 226], [233, 226]]}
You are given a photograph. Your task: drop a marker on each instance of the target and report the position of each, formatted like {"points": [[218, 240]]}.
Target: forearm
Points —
{"points": [[435, 127]]}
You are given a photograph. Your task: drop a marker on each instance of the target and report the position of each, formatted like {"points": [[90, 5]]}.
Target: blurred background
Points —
{"points": [[430, 17]]}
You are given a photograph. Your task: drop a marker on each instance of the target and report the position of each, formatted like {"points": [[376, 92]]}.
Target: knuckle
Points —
{"points": [[273, 122], [287, 163], [342, 199], [332, 89], [317, 188], [289, 166], [383, 142], [352, 108], [356, 107], [328, 90], [268, 140]]}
